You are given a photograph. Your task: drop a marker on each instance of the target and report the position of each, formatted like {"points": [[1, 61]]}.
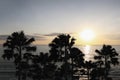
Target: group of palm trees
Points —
{"points": [[63, 62]]}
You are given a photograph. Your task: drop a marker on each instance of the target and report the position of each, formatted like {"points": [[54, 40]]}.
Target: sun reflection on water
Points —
{"points": [[87, 52]]}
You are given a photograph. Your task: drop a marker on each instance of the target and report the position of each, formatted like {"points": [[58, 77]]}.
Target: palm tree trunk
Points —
{"points": [[105, 67], [72, 68], [19, 69], [101, 76], [65, 63], [88, 74]]}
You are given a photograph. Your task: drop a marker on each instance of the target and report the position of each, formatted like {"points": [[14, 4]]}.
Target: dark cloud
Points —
{"points": [[4, 37], [55, 34], [52, 34], [39, 37], [36, 36]]}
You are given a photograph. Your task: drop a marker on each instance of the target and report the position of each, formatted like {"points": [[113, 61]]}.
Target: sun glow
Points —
{"points": [[87, 35]]}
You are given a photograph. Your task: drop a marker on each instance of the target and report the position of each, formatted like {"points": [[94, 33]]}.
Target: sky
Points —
{"points": [[45, 19]]}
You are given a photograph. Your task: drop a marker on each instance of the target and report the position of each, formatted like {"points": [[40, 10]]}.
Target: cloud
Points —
{"points": [[38, 37], [4, 37], [52, 34], [55, 34]]}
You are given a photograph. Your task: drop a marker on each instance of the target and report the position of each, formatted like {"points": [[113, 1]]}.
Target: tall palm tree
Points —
{"points": [[35, 71], [18, 47], [106, 56], [77, 60], [89, 65], [41, 67], [60, 49], [60, 46]]}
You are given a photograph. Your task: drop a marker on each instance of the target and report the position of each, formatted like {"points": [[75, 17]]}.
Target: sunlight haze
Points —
{"points": [[45, 19]]}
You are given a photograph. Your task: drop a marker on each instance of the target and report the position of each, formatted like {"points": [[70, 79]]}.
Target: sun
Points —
{"points": [[87, 35]]}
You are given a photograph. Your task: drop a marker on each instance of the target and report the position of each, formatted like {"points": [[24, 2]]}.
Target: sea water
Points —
{"points": [[7, 68]]}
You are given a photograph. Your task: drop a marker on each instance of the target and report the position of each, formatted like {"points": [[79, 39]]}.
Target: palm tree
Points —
{"points": [[41, 67], [106, 56], [60, 49], [18, 47], [35, 71], [89, 65], [77, 60], [60, 45]]}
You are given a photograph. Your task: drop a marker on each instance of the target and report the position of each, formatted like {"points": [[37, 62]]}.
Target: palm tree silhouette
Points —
{"points": [[42, 68], [18, 47], [77, 60], [60, 45], [60, 49], [106, 56], [89, 65], [35, 71]]}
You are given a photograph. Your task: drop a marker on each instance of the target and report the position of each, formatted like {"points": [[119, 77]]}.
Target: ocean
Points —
{"points": [[7, 68]]}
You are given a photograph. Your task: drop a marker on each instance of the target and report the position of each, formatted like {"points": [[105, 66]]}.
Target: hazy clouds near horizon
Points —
{"points": [[60, 16]]}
